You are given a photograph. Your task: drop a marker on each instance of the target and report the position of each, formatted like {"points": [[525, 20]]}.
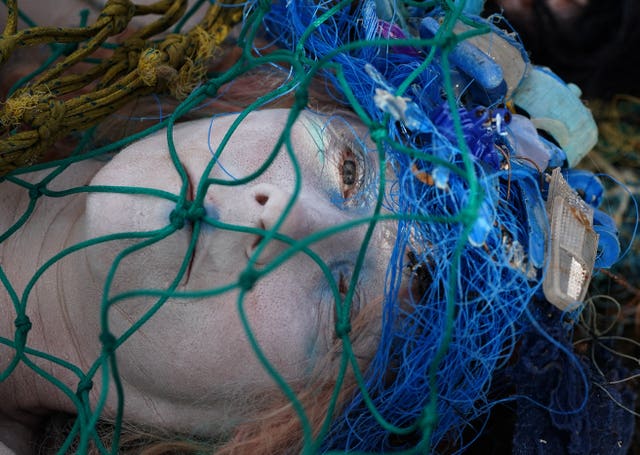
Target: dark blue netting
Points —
{"points": [[556, 412]]}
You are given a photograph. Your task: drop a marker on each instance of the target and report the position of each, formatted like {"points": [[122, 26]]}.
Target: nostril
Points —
{"points": [[261, 198]]}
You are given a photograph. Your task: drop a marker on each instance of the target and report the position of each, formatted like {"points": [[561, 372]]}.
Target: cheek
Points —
{"points": [[124, 220], [286, 321], [207, 339]]}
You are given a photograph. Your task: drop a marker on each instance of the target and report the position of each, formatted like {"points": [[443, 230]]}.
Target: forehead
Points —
{"points": [[251, 138], [272, 123]]}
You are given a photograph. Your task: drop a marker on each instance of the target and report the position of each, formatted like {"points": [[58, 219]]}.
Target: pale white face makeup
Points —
{"points": [[182, 365]]}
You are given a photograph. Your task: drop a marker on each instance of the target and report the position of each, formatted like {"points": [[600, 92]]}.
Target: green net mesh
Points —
{"points": [[56, 100]]}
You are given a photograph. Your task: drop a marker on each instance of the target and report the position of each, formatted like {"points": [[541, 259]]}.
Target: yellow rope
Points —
{"points": [[49, 108]]}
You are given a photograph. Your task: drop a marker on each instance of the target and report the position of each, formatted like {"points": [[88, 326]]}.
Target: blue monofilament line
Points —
{"points": [[495, 281]]}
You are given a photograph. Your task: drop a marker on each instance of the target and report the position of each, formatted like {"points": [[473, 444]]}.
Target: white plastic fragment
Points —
{"points": [[573, 245], [391, 104]]}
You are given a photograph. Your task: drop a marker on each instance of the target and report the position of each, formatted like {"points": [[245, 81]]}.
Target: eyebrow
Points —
{"points": [[316, 131]]}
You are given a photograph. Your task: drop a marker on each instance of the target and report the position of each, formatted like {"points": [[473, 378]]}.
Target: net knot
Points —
{"points": [[448, 42], [119, 13], [198, 48], [177, 217], [211, 89], [175, 47], [187, 211], [108, 342], [153, 68], [343, 328], [85, 385], [47, 118], [23, 324], [203, 43], [147, 66], [195, 212], [248, 278], [36, 191], [378, 133]]}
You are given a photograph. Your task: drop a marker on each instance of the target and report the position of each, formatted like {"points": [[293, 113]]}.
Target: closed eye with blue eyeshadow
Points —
{"points": [[342, 276]]}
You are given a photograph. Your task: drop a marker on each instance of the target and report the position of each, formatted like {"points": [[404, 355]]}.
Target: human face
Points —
{"points": [[289, 309]]}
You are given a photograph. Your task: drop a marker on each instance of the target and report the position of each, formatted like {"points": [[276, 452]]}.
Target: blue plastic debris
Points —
{"points": [[608, 242], [588, 186], [471, 61], [535, 212]]}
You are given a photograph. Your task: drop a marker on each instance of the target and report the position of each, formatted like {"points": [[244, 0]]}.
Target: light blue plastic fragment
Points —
{"points": [[502, 49], [440, 176], [483, 224], [556, 108], [526, 144], [497, 62]]}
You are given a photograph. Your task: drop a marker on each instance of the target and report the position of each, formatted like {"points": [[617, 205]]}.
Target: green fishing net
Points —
{"points": [[469, 214]]}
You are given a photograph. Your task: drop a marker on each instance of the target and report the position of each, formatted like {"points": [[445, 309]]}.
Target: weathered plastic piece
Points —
{"points": [[526, 143], [504, 52], [471, 61], [573, 245], [491, 59], [556, 108]]}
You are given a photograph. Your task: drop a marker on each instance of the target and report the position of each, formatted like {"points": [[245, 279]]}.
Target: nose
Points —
{"points": [[268, 202]]}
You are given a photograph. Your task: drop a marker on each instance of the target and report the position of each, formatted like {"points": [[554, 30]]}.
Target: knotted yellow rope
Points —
{"points": [[34, 117]]}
